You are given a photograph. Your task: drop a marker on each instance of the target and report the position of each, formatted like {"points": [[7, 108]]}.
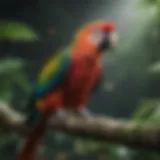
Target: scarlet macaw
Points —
{"points": [[67, 80]]}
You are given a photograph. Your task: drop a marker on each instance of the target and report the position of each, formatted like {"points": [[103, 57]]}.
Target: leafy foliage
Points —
{"points": [[155, 68], [16, 31], [152, 3], [12, 72]]}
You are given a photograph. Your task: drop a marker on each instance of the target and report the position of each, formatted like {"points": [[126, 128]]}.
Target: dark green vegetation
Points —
{"points": [[141, 56]]}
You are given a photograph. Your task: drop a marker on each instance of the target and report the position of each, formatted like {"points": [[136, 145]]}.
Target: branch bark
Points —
{"points": [[101, 128], [11, 119], [136, 135]]}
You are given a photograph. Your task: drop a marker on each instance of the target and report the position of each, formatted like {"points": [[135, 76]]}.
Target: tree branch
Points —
{"points": [[11, 119], [132, 134], [101, 128]]}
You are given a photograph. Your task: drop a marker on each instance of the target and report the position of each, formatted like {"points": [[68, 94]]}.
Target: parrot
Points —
{"points": [[67, 79]]}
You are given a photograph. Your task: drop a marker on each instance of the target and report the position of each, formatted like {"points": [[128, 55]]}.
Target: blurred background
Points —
{"points": [[31, 31]]}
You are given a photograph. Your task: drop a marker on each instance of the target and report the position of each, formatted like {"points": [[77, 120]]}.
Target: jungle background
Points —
{"points": [[30, 31]]}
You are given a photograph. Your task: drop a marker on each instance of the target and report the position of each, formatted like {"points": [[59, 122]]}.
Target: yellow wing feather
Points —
{"points": [[49, 68]]}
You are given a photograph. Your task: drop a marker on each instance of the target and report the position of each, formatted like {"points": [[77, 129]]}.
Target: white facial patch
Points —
{"points": [[113, 39], [97, 37]]}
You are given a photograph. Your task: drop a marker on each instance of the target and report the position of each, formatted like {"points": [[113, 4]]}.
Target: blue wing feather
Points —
{"points": [[55, 79]]}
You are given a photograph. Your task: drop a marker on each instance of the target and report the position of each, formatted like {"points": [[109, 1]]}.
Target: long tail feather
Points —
{"points": [[32, 143]]}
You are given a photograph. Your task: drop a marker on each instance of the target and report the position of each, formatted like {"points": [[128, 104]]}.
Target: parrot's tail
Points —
{"points": [[32, 143]]}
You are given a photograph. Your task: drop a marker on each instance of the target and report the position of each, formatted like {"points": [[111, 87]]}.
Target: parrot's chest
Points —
{"points": [[84, 73]]}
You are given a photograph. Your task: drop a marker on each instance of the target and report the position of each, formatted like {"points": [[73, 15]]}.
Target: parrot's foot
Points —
{"points": [[60, 116], [85, 113]]}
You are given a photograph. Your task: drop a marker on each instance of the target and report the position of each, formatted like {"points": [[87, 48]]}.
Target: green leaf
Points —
{"points": [[145, 109], [10, 65], [21, 79], [11, 73], [149, 2], [120, 153], [154, 4], [10, 30], [7, 95], [89, 146], [155, 117], [155, 68]]}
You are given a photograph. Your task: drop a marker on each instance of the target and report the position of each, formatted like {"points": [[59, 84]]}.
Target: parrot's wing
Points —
{"points": [[50, 78], [53, 74]]}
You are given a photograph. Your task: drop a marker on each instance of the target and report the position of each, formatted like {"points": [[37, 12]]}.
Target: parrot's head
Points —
{"points": [[102, 34], [110, 35]]}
